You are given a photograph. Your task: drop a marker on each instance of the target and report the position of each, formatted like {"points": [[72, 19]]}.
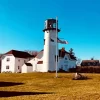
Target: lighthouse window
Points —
{"points": [[44, 41], [54, 25], [45, 25], [49, 25], [51, 40]]}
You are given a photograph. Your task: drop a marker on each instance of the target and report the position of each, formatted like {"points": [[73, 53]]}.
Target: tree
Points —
{"points": [[92, 58], [71, 51], [1, 55], [78, 62], [32, 52]]}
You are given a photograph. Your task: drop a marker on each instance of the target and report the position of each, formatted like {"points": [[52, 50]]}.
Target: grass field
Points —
{"points": [[44, 86]]}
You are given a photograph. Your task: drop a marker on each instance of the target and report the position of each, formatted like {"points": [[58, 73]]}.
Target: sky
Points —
{"points": [[22, 22]]}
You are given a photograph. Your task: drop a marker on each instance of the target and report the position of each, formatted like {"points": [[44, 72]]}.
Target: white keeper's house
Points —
{"points": [[13, 61]]}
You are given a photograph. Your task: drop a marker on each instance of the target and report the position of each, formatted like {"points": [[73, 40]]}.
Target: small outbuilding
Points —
{"points": [[27, 68]]}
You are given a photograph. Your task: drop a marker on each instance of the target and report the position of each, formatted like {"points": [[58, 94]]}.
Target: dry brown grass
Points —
{"points": [[44, 86]]}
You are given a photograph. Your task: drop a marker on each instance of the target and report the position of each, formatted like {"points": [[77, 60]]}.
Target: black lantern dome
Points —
{"points": [[51, 24]]}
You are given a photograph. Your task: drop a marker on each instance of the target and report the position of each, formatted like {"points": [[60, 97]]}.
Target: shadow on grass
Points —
{"points": [[5, 84], [14, 93], [82, 78]]}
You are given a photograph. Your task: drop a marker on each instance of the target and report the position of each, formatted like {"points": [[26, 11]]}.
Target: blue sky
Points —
{"points": [[22, 22]]}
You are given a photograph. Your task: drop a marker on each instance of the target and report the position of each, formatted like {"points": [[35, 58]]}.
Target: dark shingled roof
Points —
{"points": [[63, 52], [28, 64], [86, 61], [19, 54]]}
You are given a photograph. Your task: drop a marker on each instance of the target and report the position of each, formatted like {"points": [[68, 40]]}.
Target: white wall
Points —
{"points": [[72, 63], [36, 67], [49, 51], [13, 63], [27, 69], [39, 68], [24, 69], [34, 64], [10, 63], [64, 63], [19, 62], [67, 63]]}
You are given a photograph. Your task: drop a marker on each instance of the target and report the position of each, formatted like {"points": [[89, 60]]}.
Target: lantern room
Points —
{"points": [[51, 24]]}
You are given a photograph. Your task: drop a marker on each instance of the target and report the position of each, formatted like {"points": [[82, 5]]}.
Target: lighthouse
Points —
{"points": [[50, 45]]}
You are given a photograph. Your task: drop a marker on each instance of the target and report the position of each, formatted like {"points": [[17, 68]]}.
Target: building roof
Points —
{"points": [[39, 53], [28, 64], [19, 54], [40, 62], [87, 61], [61, 54]]}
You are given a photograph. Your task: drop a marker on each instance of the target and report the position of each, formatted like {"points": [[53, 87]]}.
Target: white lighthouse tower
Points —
{"points": [[50, 43]]}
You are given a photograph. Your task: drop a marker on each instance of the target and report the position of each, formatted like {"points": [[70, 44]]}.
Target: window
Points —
{"points": [[7, 67], [65, 58], [45, 25], [89, 64], [24, 61], [94, 64], [8, 59], [19, 60], [66, 65], [54, 25], [18, 67], [44, 41], [56, 57]]}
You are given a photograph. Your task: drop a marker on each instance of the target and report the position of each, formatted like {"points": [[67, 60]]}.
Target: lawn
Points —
{"points": [[44, 86]]}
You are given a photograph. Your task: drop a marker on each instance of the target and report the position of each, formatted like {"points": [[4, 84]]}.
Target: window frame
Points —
{"points": [[8, 59], [18, 67], [7, 67]]}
